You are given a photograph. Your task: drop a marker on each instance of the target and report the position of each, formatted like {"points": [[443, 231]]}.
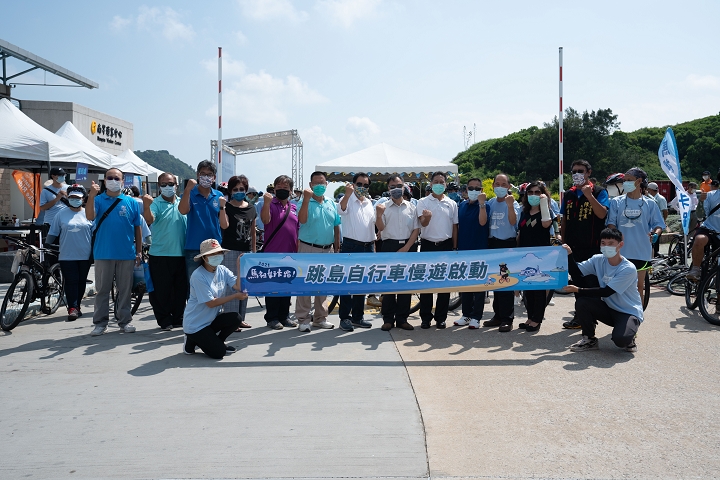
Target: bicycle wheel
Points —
{"points": [[414, 303], [455, 301], [691, 298], [675, 248], [333, 303], [707, 298], [16, 302], [50, 301], [676, 286], [137, 296]]}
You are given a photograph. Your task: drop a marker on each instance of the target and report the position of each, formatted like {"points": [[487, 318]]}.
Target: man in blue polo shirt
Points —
{"points": [[319, 233], [167, 254], [117, 249], [205, 210]]}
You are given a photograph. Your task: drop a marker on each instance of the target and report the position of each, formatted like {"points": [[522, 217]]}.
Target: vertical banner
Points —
{"points": [[29, 184], [81, 172], [670, 163]]}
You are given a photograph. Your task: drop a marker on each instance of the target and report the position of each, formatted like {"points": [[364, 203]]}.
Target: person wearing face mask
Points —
{"points": [[706, 184], [534, 231], [583, 211], [204, 324], [167, 253], [438, 216], [52, 198], [204, 207], [399, 228], [281, 236], [473, 233], [504, 212], [239, 237], [639, 220], [117, 249], [610, 297], [319, 233], [74, 231], [358, 230]]}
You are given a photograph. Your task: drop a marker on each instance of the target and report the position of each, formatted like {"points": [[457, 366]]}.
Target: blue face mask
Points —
{"points": [[608, 251], [628, 186], [75, 202], [215, 260], [500, 192], [61, 179], [438, 188], [238, 196], [533, 200]]}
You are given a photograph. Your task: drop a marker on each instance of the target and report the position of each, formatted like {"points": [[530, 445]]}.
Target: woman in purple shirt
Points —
{"points": [[281, 236]]}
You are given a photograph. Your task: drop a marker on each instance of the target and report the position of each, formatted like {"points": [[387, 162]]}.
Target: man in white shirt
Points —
{"points": [[358, 230], [438, 215], [398, 225]]}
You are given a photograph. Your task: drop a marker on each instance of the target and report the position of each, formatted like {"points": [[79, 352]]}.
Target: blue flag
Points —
{"points": [[670, 163]]}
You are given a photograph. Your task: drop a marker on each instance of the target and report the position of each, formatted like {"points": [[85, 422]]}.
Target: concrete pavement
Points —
{"points": [[331, 404]]}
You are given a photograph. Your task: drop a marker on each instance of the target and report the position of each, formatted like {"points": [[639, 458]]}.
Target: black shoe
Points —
{"points": [[275, 325], [425, 325], [523, 326], [440, 325], [507, 326], [387, 326], [493, 322], [572, 325], [528, 328], [230, 349]]}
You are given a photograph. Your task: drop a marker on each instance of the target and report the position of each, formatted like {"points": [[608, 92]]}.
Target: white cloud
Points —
{"points": [[165, 20], [362, 129], [270, 9], [314, 138], [260, 98], [703, 81], [240, 37], [346, 12]]}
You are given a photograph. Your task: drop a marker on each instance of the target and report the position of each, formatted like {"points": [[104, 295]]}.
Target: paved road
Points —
{"points": [[368, 404]]}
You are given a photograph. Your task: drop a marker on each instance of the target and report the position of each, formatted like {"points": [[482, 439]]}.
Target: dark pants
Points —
{"points": [[395, 308], [473, 304], [169, 278], [535, 303], [211, 339], [277, 308], [426, 299], [503, 302], [75, 273], [354, 306], [590, 310], [582, 254]]}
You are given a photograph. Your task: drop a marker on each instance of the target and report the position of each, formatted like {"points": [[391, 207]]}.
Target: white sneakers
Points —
{"points": [[471, 323], [304, 327], [98, 330], [323, 324], [462, 322], [474, 324], [128, 328]]}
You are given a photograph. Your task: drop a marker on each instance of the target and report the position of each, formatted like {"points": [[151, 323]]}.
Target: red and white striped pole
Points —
{"points": [[219, 142], [561, 187]]}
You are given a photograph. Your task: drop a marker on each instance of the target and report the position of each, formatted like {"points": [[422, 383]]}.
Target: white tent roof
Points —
{"points": [[24, 143], [69, 132], [383, 159], [131, 163]]}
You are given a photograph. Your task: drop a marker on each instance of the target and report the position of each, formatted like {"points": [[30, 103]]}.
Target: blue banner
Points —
{"points": [[290, 274], [670, 163], [81, 172]]}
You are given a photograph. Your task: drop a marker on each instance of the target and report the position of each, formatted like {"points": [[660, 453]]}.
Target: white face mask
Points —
{"points": [[578, 178], [168, 191], [473, 195], [113, 185], [608, 251]]}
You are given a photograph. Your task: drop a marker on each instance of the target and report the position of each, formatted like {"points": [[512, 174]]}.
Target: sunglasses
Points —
{"points": [[534, 192], [168, 184], [113, 178], [363, 185], [582, 172], [474, 189], [391, 187], [238, 190]]}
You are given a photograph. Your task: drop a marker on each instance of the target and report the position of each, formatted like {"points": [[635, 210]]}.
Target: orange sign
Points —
{"points": [[29, 184]]}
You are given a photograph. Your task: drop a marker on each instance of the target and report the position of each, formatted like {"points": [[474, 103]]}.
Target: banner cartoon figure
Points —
{"points": [[288, 274]]}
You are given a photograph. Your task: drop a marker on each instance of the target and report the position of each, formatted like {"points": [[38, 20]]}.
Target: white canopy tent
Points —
{"points": [[25, 144], [69, 132], [381, 160], [134, 164]]}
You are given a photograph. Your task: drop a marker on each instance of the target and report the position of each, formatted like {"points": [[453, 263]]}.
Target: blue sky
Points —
{"points": [[351, 73]]}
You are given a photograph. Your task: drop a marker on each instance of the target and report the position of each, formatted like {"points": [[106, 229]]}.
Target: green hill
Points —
{"points": [[162, 160], [595, 136]]}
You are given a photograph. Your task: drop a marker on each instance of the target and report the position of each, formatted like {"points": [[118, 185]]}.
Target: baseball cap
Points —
{"points": [[653, 186], [57, 171]]}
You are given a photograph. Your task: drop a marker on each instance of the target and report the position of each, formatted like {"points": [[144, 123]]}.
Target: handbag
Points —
{"points": [[272, 235], [97, 227]]}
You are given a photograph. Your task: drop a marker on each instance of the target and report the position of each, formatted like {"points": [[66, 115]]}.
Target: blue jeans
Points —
{"points": [[473, 304], [354, 305]]}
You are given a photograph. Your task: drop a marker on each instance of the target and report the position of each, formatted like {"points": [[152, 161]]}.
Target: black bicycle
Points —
{"points": [[138, 289], [34, 279]]}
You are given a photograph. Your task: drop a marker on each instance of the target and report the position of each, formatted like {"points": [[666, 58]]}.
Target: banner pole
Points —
{"points": [[561, 187], [219, 176]]}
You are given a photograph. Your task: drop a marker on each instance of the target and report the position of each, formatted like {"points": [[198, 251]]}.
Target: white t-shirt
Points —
{"points": [[358, 221], [444, 216]]}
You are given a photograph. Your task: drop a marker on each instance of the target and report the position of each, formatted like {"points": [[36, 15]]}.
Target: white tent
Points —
{"points": [[25, 144], [382, 160], [69, 132], [135, 164]]}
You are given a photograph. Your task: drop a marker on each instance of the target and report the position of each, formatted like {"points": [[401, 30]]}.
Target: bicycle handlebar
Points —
{"points": [[23, 244]]}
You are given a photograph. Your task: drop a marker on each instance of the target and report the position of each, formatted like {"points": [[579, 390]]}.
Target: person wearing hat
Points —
{"points": [[639, 220], [52, 198], [706, 184], [74, 230], [653, 192], [204, 325], [251, 195]]}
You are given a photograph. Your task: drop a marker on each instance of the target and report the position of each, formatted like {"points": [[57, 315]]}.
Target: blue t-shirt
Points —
{"points": [[500, 227], [635, 218], [48, 215], [472, 235], [204, 287], [203, 219], [621, 278], [602, 198], [321, 222], [75, 232], [712, 222], [115, 240]]}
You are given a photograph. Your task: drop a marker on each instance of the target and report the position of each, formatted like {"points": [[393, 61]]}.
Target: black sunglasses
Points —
{"points": [[364, 185], [391, 187], [474, 189], [578, 171], [169, 184], [534, 192], [113, 178]]}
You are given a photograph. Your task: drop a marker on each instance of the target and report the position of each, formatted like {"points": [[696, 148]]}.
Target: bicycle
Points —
{"points": [[703, 293], [138, 290], [34, 279]]}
